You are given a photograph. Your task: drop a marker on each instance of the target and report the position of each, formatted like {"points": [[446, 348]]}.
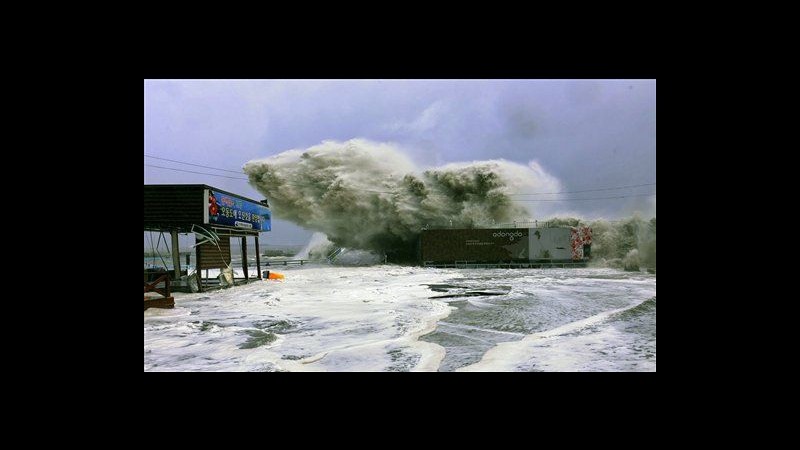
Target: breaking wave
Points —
{"points": [[370, 196]]}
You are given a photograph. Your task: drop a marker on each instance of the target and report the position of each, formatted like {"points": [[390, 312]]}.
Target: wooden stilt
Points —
{"points": [[197, 264], [244, 258], [258, 259]]}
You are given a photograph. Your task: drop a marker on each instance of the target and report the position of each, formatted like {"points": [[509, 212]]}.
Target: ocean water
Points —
{"points": [[394, 318]]}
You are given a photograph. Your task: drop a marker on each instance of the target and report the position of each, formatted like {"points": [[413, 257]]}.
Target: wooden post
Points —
{"points": [[258, 259], [197, 264], [176, 256], [244, 258]]}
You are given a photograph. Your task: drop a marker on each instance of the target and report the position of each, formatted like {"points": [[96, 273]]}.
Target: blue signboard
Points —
{"points": [[224, 209]]}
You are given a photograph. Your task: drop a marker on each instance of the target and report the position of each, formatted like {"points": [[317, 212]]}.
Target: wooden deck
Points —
{"points": [[165, 300], [159, 302]]}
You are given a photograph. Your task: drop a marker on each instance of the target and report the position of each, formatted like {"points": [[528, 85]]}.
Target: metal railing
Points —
{"points": [[286, 262], [504, 265]]}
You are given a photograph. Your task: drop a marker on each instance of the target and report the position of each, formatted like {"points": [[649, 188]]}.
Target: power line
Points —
{"points": [[591, 190], [580, 199], [245, 179], [395, 192], [233, 178], [389, 192], [191, 164], [191, 171], [434, 194], [568, 192], [537, 193], [286, 183]]}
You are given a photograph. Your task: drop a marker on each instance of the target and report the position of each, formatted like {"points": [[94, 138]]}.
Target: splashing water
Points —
{"points": [[318, 248], [370, 196]]}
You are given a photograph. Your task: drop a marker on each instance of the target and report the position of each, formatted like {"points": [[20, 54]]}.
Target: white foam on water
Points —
{"points": [[597, 350], [484, 330], [334, 319], [557, 350], [327, 318]]}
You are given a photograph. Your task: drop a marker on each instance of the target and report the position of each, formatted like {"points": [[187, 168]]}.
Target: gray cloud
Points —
{"points": [[586, 133]]}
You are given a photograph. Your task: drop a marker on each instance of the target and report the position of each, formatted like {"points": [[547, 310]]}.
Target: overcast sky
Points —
{"points": [[590, 134]]}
